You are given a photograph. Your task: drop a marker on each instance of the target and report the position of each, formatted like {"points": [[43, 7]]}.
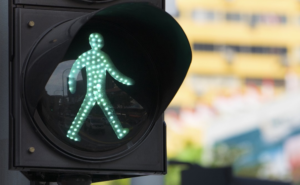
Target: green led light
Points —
{"points": [[96, 87]]}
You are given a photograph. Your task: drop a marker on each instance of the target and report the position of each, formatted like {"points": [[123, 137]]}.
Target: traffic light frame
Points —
{"points": [[37, 153]]}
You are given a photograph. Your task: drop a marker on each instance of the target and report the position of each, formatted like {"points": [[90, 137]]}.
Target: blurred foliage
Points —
{"points": [[183, 145], [222, 155], [191, 153], [180, 139], [174, 175], [114, 182], [249, 171]]}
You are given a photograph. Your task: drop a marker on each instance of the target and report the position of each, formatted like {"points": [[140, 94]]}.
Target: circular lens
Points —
{"points": [[59, 108], [99, 101]]}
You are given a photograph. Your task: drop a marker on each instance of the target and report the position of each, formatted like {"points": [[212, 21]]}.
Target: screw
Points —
{"points": [[31, 23], [31, 149], [55, 40]]}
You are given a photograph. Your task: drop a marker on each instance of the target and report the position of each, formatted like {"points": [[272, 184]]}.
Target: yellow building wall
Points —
{"points": [[242, 33]]}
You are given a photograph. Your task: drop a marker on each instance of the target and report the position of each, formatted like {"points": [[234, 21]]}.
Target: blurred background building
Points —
{"points": [[240, 102]]}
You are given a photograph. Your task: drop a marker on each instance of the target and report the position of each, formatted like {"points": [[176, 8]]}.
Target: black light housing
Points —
{"points": [[144, 43]]}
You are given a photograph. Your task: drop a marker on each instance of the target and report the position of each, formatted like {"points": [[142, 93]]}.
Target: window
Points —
{"points": [[233, 17], [200, 15], [268, 19], [240, 48], [204, 47]]}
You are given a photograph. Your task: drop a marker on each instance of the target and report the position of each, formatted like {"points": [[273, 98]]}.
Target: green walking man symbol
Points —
{"points": [[96, 63]]}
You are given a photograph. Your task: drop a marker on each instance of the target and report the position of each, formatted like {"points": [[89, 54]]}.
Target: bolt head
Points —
{"points": [[31, 23], [31, 149]]}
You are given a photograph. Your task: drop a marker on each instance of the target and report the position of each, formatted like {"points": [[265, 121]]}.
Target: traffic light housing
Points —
{"points": [[122, 90]]}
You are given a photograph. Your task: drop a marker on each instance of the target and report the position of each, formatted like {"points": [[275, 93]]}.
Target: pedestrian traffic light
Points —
{"points": [[89, 87]]}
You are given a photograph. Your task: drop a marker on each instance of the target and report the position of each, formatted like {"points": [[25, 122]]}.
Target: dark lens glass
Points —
{"points": [[58, 108]]}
